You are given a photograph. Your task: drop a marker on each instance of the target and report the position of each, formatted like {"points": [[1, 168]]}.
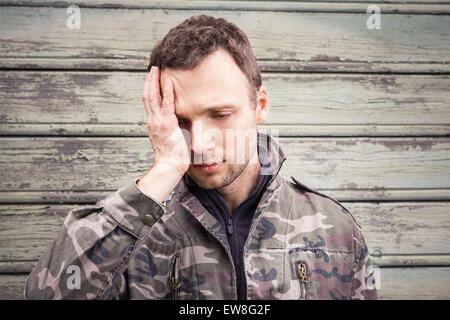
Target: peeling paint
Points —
{"points": [[346, 142], [350, 185], [89, 80], [405, 145], [327, 58]]}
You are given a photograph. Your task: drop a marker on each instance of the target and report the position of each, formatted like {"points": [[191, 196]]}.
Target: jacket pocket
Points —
{"points": [[174, 281], [302, 271]]}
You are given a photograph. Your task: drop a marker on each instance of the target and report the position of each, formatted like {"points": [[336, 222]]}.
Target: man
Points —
{"points": [[201, 223]]}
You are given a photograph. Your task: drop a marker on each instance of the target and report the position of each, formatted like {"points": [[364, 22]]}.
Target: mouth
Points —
{"points": [[208, 167]]}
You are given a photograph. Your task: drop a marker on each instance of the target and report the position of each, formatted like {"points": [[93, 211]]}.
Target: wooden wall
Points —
{"points": [[364, 116]]}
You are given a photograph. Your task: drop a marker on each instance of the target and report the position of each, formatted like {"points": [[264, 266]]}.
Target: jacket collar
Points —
{"points": [[271, 156]]}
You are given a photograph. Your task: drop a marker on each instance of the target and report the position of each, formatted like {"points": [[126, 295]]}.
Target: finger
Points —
{"points": [[155, 93], [146, 94], [168, 97]]}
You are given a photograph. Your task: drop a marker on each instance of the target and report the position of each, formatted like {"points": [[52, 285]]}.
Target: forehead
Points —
{"points": [[217, 80]]}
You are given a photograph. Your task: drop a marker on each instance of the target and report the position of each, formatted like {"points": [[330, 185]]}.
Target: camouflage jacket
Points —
{"points": [[301, 245]]}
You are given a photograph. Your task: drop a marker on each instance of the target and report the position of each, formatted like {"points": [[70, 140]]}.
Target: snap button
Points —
{"points": [[148, 219]]}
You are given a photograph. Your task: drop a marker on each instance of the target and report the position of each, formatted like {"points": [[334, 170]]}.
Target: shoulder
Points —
{"points": [[327, 205]]}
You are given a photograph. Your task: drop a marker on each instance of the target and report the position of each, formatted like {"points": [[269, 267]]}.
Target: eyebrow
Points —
{"points": [[214, 108], [221, 106]]}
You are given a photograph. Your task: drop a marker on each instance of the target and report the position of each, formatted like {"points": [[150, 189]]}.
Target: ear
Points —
{"points": [[262, 105]]}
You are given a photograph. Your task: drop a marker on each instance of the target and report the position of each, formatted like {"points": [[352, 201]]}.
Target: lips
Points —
{"points": [[205, 164], [204, 167]]}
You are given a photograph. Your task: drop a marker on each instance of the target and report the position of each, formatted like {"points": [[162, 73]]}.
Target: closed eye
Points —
{"points": [[221, 116], [182, 121]]}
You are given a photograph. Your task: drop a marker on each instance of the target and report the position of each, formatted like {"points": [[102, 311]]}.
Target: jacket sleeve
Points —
{"points": [[363, 283], [93, 247]]}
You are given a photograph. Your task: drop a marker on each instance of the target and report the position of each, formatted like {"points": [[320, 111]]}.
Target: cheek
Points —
{"points": [[242, 122], [246, 119]]}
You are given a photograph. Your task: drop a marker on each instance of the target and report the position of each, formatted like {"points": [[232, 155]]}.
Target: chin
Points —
{"points": [[207, 182], [222, 178]]}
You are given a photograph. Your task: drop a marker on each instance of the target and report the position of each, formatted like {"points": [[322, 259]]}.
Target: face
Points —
{"points": [[215, 112]]}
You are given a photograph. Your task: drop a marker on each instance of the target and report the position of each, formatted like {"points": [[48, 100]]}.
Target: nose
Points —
{"points": [[202, 141]]}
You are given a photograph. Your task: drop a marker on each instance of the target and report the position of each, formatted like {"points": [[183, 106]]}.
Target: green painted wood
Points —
{"points": [[363, 195], [410, 260], [415, 283], [40, 32], [309, 66], [17, 267], [395, 283], [402, 6], [12, 286], [410, 228], [285, 130], [25, 267], [107, 103], [397, 234], [414, 39], [76, 197], [95, 164]]}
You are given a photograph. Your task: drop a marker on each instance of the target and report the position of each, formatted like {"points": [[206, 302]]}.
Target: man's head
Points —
{"points": [[219, 99]]}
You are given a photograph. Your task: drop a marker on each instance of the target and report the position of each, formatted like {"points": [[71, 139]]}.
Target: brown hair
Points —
{"points": [[187, 44]]}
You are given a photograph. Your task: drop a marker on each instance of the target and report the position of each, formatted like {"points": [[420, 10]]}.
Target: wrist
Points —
{"points": [[160, 181], [168, 169]]}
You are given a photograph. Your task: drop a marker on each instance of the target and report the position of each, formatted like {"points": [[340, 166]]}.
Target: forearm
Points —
{"points": [[79, 263], [93, 248]]}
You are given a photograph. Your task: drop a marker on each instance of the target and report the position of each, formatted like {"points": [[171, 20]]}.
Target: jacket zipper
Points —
{"points": [[230, 257], [230, 232], [302, 271], [256, 222], [230, 226], [228, 251], [175, 282]]}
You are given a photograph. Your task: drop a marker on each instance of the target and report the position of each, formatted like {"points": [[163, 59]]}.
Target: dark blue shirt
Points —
{"points": [[236, 224]]}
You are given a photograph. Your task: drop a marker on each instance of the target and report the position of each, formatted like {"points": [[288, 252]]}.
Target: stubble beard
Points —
{"points": [[233, 171]]}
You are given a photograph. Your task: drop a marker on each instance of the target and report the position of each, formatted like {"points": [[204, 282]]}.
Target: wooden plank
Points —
{"points": [[368, 163], [265, 65], [28, 238], [40, 32], [60, 197], [285, 130], [396, 233], [96, 164], [13, 267], [410, 260], [415, 283], [25, 267], [12, 286], [398, 228], [434, 7], [395, 283], [301, 104], [33, 63], [363, 195]]}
